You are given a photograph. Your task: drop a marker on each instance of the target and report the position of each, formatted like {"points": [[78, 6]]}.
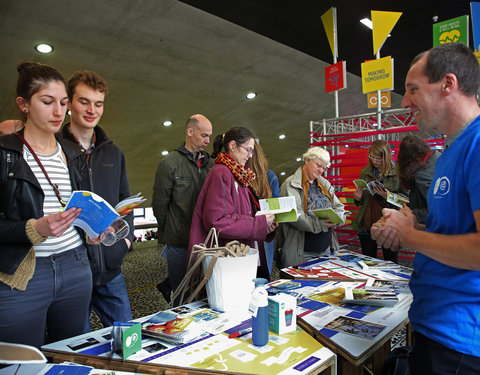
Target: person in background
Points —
{"points": [[266, 185], [416, 166], [178, 181], [46, 281], [228, 202], [10, 126], [441, 89], [309, 237], [108, 178], [380, 168]]}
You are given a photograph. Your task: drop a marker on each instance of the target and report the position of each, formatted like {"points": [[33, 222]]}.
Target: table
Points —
{"points": [[320, 284], [292, 353]]}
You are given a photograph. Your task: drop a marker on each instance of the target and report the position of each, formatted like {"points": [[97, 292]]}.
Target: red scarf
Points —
{"points": [[243, 175]]}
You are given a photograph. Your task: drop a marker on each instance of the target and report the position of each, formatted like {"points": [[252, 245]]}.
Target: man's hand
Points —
{"points": [[392, 230], [55, 225]]}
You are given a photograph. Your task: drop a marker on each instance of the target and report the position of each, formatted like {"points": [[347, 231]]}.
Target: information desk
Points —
{"points": [[362, 335], [292, 353]]}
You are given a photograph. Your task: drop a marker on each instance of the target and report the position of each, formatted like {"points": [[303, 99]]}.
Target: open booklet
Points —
{"points": [[330, 214], [284, 209], [97, 214], [397, 200], [371, 296]]}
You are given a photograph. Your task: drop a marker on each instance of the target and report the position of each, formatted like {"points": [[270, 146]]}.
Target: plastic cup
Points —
{"points": [[115, 232]]}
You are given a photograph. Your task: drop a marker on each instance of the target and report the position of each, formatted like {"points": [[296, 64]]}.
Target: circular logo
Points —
{"points": [[131, 340], [442, 186]]}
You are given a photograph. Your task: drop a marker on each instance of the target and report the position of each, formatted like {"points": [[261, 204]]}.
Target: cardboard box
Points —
{"points": [[282, 313]]}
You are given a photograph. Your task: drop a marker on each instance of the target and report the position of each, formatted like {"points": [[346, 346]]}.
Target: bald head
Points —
{"points": [[199, 131], [10, 126]]}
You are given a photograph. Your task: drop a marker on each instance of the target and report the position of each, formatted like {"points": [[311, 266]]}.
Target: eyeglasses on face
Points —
{"points": [[320, 165], [372, 158], [248, 149]]}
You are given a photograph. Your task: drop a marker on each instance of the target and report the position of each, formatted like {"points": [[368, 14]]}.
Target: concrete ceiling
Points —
{"points": [[165, 60]]}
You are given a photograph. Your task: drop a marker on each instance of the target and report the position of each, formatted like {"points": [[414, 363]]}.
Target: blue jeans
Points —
{"points": [[269, 252], [55, 304], [176, 264], [110, 302]]}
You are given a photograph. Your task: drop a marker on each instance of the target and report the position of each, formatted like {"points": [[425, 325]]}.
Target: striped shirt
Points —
{"points": [[57, 171]]}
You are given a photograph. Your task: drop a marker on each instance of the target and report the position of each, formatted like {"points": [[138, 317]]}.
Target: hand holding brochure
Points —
{"points": [[330, 214], [97, 214], [284, 209], [397, 200]]}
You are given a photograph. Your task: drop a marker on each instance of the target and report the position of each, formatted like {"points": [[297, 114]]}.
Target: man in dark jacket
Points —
{"points": [[107, 178], [178, 182]]}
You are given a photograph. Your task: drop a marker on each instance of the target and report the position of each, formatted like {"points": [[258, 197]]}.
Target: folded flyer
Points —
{"points": [[330, 214], [284, 209]]}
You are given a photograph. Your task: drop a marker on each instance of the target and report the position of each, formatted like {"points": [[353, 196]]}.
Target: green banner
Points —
{"points": [[454, 30]]}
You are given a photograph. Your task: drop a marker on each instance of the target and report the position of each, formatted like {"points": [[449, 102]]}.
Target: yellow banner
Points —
{"points": [[377, 75], [385, 99], [328, 24], [383, 23]]}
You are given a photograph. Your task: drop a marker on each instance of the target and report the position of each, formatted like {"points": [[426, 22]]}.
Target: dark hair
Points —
{"points": [[33, 77], [411, 157], [88, 78], [238, 134], [455, 58]]}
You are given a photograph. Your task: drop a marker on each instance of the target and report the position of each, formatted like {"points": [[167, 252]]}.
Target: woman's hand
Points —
{"points": [[357, 195], [381, 191], [329, 223], [55, 225], [271, 225]]}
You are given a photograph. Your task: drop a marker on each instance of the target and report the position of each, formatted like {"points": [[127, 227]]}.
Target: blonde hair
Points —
{"points": [[381, 148], [317, 153], [258, 163]]}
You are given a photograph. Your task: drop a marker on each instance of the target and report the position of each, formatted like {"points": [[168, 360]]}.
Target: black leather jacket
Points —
{"points": [[107, 177], [21, 198]]}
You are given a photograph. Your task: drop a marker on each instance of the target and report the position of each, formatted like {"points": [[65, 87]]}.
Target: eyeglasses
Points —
{"points": [[323, 166], [378, 160], [249, 150]]}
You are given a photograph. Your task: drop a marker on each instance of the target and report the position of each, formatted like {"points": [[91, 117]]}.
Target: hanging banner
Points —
{"points": [[328, 20], [336, 77], [475, 11], [454, 30], [382, 24], [385, 99], [377, 75]]}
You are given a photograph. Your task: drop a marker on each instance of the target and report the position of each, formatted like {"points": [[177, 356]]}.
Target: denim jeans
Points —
{"points": [[55, 304], [176, 264], [269, 253], [110, 302]]}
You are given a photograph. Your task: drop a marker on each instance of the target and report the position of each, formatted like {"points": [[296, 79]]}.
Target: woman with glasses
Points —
{"points": [[228, 202], [380, 168], [309, 237]]}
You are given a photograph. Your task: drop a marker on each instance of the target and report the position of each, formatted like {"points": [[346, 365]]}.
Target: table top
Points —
{"points": [[292, 353]]}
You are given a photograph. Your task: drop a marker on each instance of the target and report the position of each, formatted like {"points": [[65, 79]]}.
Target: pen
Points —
{"points": [[239, 333]]}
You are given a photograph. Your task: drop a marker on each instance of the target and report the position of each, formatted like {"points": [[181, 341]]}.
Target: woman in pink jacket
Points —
{"points": [[228, 202]]}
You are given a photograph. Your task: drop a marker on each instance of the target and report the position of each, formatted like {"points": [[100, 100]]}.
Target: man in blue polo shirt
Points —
{"points": [[441, 88]]}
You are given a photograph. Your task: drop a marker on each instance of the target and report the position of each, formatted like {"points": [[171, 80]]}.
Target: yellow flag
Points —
{"points": [[383, 23], [328, 24]]}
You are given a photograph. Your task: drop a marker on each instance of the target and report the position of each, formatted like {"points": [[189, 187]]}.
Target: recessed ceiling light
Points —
{"points": [[282, 173], [44, 48], [167, 123], [251, 95], [164, 153], [281, 136], [299, 159]]}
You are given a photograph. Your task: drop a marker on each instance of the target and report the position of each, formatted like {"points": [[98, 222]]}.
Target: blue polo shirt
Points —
{"points": [[446, 300]]}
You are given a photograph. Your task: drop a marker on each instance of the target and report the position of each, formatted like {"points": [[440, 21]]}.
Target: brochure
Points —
{"points": [[356, 327], [177, 331], [330, 214], [377, 264], [284, 209], [397, 200], [371, 296], [97, 214]]}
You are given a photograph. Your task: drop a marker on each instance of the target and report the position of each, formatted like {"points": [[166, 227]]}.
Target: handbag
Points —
{"points": [[372, 213]]}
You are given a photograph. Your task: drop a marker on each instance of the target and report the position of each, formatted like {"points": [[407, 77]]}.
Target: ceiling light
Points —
{"points": [[367, 22], [282, 173], [251, 95], [44, 48], [167, 123], [165, 153], [281, 136], [299, 159]]}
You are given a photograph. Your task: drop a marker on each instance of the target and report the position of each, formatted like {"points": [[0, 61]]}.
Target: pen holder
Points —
{"points": [[115, 232]]}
